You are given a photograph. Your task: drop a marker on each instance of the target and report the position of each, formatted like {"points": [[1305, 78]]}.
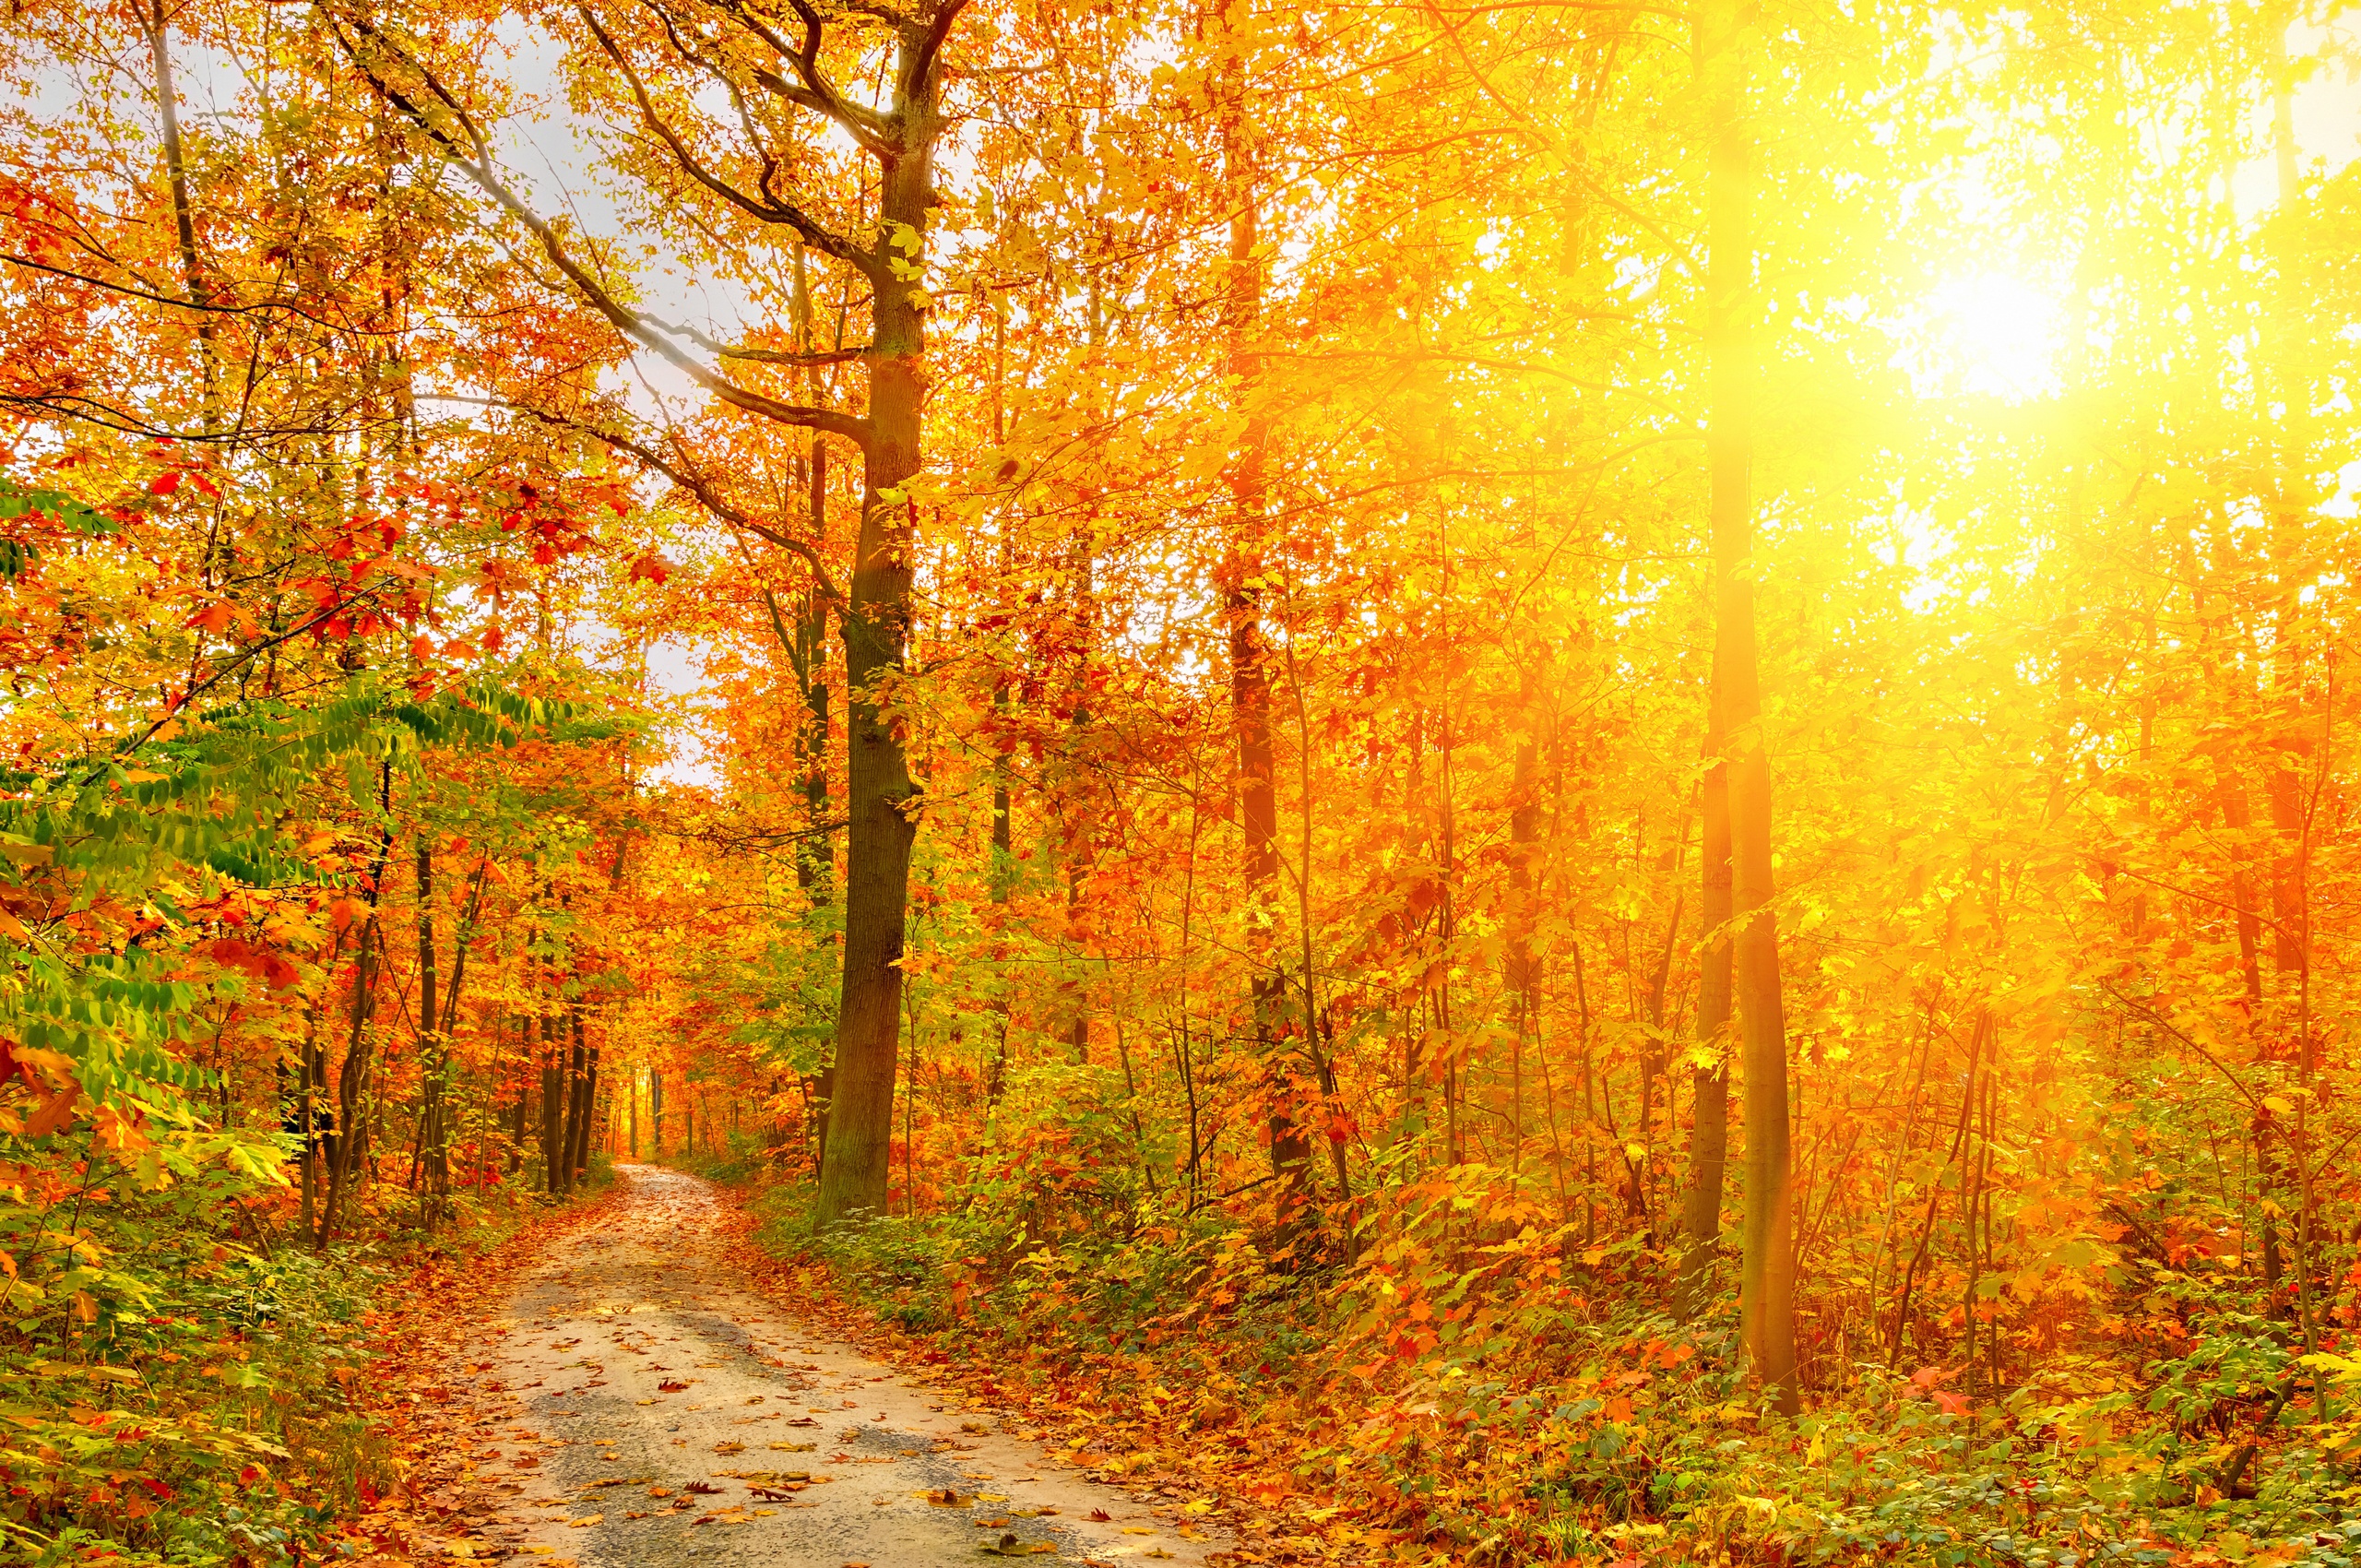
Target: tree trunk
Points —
{"points": [[1766, 1293], [881, 803], [552, 1104], [352, 1080], [578, 1165], [1003, 850], [2230, 794], [429, 1164], [578, 1109], [1709, 1139], [1249, 690]]}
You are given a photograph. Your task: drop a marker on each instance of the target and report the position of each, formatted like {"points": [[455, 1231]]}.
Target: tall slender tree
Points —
{"points": [[1766, 1286]]}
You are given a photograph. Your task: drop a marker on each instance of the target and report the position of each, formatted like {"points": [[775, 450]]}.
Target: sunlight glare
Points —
{"points": [[1985, 334]]}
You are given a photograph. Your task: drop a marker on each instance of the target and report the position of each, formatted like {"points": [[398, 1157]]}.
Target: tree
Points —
{"points": [[1766, 1290], [790, 78]]}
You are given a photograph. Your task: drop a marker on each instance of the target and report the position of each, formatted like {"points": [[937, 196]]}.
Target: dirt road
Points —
{"points": [[647, 1409]]}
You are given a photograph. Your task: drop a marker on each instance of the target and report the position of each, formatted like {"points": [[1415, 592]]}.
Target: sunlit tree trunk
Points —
{"points": [[880, 802], [577, 1101], [1709, 1138], [1249, 688], [1766, 1290], [552, 1100]]}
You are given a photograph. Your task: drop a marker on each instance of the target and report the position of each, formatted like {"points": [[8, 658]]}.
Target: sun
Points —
{"points": [[1985, 334]]}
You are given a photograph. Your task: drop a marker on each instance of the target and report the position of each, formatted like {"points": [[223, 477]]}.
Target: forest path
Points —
{"points": [[634, 1361]]}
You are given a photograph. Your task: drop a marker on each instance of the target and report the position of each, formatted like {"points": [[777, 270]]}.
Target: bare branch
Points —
{"points": [[767, 356], [817, 93], [477, 166], [209, 305], [768, 208]]}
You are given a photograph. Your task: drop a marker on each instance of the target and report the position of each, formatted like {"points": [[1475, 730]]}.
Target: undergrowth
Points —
{"points": [[180, 1380], [1476, 1385]]}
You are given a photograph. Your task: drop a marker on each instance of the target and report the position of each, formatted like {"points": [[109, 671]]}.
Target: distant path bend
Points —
{"points": [[634, 1364]]}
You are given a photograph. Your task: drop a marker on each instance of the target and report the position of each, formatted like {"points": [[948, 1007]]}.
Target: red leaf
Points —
{"points": [[165, 483]]}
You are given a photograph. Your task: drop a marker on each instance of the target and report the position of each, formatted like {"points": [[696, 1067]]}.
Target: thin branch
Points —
{"points": [[208, 305], [475, 161], [699, 488], [767, 356], [1550, 144], [2166, 1024], [769, 209], [245, 656], [817, 93]]}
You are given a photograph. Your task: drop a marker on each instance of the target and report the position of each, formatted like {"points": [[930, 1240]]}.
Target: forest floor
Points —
{"points": [[634, 1404]]}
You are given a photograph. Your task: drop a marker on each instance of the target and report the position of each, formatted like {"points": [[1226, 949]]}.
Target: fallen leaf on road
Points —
{"points": [[1100, 1516], [588, 1519], [702, 1488], [671, 1385], [1137, 1530]]}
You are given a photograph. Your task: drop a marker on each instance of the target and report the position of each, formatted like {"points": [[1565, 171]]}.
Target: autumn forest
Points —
{"points": [[1499, 780]]}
